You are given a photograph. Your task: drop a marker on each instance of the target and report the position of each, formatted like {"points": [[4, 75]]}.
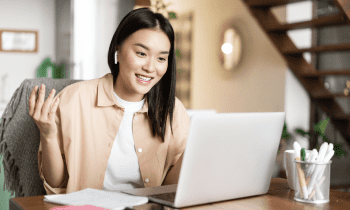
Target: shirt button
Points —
{"points": [[135, 118], [140, 150], [146, 180]]}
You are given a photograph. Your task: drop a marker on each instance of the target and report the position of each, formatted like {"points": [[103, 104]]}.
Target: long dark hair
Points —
{"points": [[161, 97]]}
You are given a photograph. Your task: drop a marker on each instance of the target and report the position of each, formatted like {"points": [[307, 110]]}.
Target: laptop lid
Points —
{"points": [[228, 155]]}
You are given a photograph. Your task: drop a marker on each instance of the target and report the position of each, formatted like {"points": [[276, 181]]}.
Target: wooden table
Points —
{"points": [[279, 196]]}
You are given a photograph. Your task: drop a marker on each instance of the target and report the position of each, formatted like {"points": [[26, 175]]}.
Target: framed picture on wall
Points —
{"points": [[22, 41]]}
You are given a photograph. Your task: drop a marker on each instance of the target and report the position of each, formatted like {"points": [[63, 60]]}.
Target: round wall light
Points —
{"points": [[230, 46]]}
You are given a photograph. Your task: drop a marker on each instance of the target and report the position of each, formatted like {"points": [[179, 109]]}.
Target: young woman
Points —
{"points": [[124, 130]]}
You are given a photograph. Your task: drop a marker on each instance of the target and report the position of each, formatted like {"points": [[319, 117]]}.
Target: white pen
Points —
{"points": [[329, 154], [307, 159], [314, 175], [326, 159], [301, 175], [297, 149], [322, 153], [308, 156], [330, 147], [314, 155], [313, 160]]}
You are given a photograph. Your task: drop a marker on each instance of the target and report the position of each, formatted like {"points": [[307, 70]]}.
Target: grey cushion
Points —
{"points": [[20, 138]]}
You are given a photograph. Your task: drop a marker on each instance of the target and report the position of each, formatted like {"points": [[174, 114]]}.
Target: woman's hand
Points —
{"points": [[42, 113]]}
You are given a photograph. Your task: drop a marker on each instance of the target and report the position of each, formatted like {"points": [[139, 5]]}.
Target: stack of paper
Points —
{"points": [[98, 198]]}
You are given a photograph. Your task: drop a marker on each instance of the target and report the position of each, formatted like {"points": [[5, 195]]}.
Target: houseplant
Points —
{"points": [[57, 71], [285, 137], [319, 133]]}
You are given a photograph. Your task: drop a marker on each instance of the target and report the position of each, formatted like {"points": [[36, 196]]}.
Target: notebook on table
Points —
{"points": [[227, 156]]}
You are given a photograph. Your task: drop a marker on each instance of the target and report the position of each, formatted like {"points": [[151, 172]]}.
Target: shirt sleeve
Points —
{"points": [[181, 126], [62, 188]]}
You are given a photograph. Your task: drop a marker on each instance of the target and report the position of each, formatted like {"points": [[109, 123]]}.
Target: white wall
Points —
{"points": [[297, 101], [26, 15]]}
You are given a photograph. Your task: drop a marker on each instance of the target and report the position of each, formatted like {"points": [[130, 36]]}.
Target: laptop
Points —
{"points": [[227, 156]]}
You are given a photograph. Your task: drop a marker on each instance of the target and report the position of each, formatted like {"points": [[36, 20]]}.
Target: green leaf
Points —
{"points": [[58, 71], [303, 154], [338, 151], [321, 126], [172, 15], [285, 134], [301, 132], [41, 71], [324, 137], [177, 52]]}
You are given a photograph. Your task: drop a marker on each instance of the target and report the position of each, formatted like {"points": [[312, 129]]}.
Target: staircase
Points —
{"points": [[309, 77]]}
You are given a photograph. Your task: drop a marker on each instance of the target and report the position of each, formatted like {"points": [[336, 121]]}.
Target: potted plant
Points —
{"points": [[318, 133], [57, 71], [285, 137]]}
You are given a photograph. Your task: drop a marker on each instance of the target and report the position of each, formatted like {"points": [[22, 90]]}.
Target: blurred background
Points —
{"points": [[73, 36]]}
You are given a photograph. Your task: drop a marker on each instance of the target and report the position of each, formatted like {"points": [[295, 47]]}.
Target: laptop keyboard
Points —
{"points": [[166, 196]]}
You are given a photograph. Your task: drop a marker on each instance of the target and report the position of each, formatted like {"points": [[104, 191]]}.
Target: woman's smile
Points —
{"points": [[142, 79]]}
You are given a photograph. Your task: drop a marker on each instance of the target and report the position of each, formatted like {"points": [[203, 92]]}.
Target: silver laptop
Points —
{"points": [[227, 156]]}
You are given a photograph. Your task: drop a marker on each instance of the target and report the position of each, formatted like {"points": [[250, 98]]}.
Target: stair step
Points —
{"points": [[322, 94], [316, 49], [331, 20], [341, 95], [344, 8], [325, 95], [269, 3], [345, 72], [341, 116]]}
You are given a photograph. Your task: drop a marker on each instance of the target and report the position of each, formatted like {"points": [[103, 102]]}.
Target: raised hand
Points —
{"points": [[43, 112]]}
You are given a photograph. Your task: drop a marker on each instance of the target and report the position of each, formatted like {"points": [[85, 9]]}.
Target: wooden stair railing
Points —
{"points": [[331, 20], [344, 8], [345, 72], [324, 48], [269, 3], [309, 77]]}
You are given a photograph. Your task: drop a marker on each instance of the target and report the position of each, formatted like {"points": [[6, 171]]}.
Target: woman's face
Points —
{"points": [[144, 53]]}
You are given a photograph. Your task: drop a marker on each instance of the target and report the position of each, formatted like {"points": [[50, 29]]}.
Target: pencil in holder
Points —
{"points": [[312, 181]]}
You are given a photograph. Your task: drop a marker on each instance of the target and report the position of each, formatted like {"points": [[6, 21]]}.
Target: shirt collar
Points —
{"points": [[105, 93]]}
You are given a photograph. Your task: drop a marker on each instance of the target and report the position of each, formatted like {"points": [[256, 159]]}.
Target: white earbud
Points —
{"points": [[115, 57]]}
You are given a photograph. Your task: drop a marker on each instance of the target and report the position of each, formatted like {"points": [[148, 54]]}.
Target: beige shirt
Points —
{"points": [[88, 118]]}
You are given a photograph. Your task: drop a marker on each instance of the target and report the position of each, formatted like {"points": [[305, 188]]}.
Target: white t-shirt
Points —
{"points": [[123, 170]]}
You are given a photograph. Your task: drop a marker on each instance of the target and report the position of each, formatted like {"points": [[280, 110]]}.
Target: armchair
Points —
{"points": [[20, 138]]}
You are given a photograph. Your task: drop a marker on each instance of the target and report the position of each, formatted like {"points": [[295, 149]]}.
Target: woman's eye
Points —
{"points": [[163, 59]]}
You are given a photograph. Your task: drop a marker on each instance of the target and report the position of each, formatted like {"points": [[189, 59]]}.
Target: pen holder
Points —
{"points": [[312, 181]]}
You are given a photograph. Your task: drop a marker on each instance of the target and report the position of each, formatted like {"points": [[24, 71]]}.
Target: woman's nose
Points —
{"points": [[150, 65]]}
